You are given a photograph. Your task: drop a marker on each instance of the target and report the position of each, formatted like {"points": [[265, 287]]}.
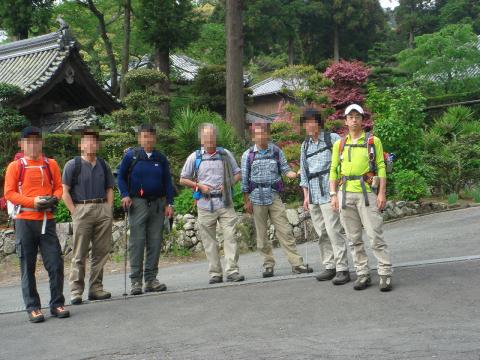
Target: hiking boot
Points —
{"points": [[215, 280], [76, 299], [235, 277], [136, 288], [154, 286], [99, 295], [60, 312], [362, 282], [385, 283], [267, 272], [302, 269], [342, 277], [36, 316], [325, 275]]}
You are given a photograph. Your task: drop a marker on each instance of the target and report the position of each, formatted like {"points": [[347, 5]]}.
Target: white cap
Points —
{"points": [[355, 107]]}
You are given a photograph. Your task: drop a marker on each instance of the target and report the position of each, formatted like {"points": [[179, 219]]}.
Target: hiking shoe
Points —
{"points": [[362, 282], [154, 286], [60, 312], [385, 283], [76, 299], [215, 280], [36, 316], [99, 295], [136, 288], [267, 272], [235, 277], [342, 277], [325, 275], [302, 269]]}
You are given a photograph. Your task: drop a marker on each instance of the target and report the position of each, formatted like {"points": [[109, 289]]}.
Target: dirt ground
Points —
{"points": [[10, 268]]}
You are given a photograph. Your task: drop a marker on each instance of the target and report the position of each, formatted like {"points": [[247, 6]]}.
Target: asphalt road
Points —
{"points": [[433, 311]]}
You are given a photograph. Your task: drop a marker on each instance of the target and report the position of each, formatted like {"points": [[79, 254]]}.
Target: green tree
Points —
{"points": [[461, 11], [452, 151], [211, 45], [21, 17], [443, 57], [166, 25], [398, 116], [415, 17]]}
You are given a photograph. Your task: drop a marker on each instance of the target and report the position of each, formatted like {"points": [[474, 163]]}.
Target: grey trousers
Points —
{"points": [[28, 240], [146, 233]]}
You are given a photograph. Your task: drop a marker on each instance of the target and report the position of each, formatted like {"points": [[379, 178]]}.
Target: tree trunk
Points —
{"points": [[112, 63], [336, 45], [234, 29], [126, 47], [290, 51], [162, 63], [411, 38]]}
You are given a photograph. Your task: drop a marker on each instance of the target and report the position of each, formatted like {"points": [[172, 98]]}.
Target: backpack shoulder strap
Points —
{"points": [[250, 158], [103, 164], [22, 163], [341, 145], [77, 169], [327, 137], [276, 156], [198, 161]]}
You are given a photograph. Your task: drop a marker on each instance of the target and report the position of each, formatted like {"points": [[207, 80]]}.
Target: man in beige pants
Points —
{"points": [[315, 158], [88, 193], [211, 172], [358, 163], [262, 168]]}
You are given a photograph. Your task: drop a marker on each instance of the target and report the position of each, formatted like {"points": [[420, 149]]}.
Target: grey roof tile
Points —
{"points": [[30, 63]]}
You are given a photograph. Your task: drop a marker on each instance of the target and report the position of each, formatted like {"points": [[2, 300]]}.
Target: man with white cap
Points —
{"points": [[358, 170]]}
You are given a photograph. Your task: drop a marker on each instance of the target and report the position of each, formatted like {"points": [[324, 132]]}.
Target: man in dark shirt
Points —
{"points": [[146, 189], [88, 193]]}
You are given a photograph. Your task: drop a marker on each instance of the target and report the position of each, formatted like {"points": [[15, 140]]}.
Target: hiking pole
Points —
{"points": [[305, 237], [125, 256]]}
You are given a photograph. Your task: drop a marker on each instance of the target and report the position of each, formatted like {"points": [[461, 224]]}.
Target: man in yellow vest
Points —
{"points": [[358, 170]]}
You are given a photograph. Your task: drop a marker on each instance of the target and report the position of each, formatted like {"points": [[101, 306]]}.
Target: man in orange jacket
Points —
{"points": [[33, 184]]}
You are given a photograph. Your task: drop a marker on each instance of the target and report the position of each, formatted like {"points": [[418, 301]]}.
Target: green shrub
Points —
{"points": [[452, 198], [409, 185], [185, 132], [184, 203], [282, 131], [62, 214]]}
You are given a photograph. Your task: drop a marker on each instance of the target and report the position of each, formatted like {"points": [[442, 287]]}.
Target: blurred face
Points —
{"points": [[208, 138], [32, 146], [354, 120], [311, 127], [261, 135], [147, 140], [89, 145]]}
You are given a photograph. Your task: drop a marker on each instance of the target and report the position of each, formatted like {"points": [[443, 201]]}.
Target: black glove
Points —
{"points": [[47, 203]]}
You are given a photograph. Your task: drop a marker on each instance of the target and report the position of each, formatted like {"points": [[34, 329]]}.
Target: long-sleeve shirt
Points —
{"points": [[36, 182], [264, 170], [319, 162], [149, 178], [357, 163]]}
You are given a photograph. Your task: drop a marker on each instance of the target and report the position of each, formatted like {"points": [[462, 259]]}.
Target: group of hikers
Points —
{"points": [[343, 181]]}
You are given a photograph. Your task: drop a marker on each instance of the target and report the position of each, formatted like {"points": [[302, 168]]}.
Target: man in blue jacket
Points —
{"points": [[147, 192]]}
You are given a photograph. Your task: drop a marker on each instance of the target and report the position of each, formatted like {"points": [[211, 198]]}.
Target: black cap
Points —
{"points": [[31, 130], [147, 128], [90, 132]]}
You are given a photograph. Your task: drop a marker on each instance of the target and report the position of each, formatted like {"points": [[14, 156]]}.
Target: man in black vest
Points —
{"points": [[88, 193]]}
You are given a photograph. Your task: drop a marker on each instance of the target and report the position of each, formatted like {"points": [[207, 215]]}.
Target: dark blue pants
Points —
{"points": [[29, 239]]}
